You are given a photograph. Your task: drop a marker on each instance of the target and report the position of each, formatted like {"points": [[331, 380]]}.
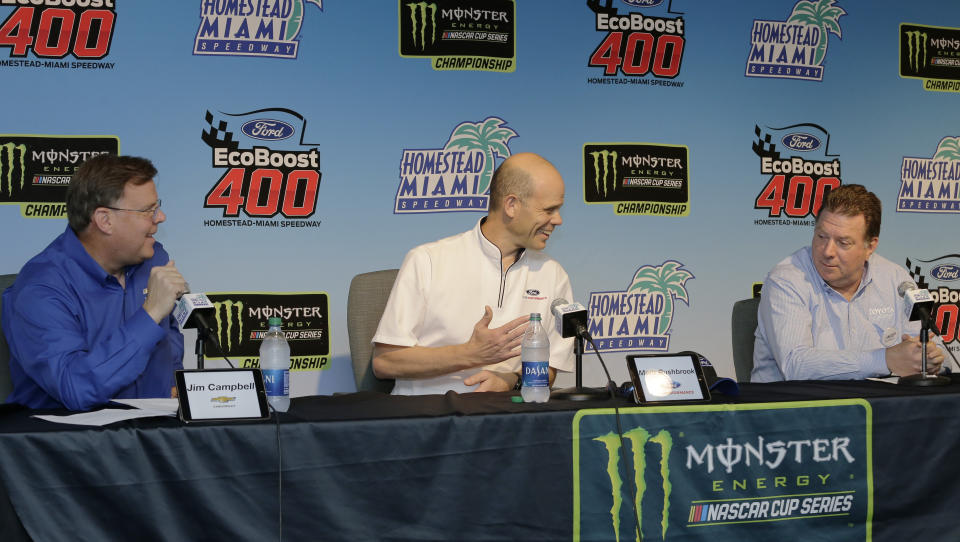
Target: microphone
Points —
{"points": [[571, 318], [195, 311], [918, 303]]}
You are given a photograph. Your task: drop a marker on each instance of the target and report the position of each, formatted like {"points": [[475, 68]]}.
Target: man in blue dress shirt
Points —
{"points": [[831, 310], [89, 318]]}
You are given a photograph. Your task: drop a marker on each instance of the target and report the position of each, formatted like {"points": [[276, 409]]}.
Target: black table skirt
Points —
{"points": [[367, 466]]}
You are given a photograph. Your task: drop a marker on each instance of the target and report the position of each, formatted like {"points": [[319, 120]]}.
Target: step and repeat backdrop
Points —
{"points": [[302, 142]]}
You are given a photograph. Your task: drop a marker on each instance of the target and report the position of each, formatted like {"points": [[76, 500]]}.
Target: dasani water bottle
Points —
{"points": [[535, 362], [275, 365]]}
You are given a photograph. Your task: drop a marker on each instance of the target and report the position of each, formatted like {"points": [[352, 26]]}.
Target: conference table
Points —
{"points": [[783, 461]]}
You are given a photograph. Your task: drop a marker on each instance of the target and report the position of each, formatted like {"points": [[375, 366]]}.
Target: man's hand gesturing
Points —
{"points": [[488, 346]]}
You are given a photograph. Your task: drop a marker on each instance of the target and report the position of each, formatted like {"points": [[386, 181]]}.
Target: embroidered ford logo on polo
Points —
{"points": [[533, 294]]}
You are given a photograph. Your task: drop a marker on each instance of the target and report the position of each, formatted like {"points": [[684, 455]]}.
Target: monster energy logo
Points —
{"points": [[224, 333], [639, 438], [8, 153], [419, 10], [917, 58], [607, 159]]}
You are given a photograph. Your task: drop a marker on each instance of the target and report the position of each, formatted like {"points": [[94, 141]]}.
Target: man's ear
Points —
{"points": [[102, 220], [510, 205], [872, 245]]}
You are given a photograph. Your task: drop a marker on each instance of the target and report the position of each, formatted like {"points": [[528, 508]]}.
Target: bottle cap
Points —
{"points": [[516, 399], [275, 321]]}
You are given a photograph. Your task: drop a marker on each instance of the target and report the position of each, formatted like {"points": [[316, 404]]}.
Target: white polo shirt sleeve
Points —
{"points": [[403, 315]]}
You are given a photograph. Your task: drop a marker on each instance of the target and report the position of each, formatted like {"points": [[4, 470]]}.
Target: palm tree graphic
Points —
{"points": [[667, 279], [822, 14], [489, 136], [949, 149], [296, 17]]}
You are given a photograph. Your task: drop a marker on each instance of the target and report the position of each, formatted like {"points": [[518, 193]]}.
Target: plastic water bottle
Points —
{"points": [[275, 365], [535, 362]]}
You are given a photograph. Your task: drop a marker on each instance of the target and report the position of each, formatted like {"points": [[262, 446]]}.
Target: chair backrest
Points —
{"points": [[365, 303], [744, 325], [6, 386]]}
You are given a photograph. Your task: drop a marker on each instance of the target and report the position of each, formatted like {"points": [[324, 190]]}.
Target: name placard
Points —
{"points": [[221, 394], [670, 378]]}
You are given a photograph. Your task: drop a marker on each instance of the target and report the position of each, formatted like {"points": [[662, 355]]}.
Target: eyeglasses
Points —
{"points": [[154, 210]]}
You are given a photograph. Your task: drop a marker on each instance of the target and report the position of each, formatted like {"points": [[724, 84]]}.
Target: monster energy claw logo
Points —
{"points": [[917, 58], [225, 311], [639, 439], [8, 161], [419, 10], [608, 160]]}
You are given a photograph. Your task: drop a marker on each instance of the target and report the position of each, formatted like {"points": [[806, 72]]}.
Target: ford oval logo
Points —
{"points": [[946, 272], [800, 142], [267, 129], [533, 292], [643, 3]]}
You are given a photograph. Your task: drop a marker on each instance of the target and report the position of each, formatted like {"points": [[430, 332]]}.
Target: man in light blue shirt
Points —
{"points": [[831, 310]]}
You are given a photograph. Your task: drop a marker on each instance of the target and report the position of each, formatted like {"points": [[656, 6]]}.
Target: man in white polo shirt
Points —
{"points": [[459, 307]]}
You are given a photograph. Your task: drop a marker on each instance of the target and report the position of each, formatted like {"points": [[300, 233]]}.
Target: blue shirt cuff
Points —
{"points": [[145, 329], [877, 362]]}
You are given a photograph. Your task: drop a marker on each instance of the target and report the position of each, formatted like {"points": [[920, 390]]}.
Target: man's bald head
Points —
{"points": [[516, 175]]}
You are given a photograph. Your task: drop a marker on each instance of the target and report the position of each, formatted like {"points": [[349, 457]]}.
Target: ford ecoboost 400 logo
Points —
{"points": [[643, 3], [946, 272], [267, 129], [800, 142]]}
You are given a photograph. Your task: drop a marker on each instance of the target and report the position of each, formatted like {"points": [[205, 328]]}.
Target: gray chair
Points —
{"points": [[365, 303], [6, 386], [744, 325]]}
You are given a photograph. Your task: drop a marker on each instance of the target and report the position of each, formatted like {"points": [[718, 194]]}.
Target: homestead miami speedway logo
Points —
{"points": [[932, 54], [774, 471], [270, 169], [35, 170], [639, 318], [456, 177], [799, 171], [797, 47], [459, 34], [251, 29], [241, 320], [638, 178], [931, 185], [637, 48], [51, 30]]}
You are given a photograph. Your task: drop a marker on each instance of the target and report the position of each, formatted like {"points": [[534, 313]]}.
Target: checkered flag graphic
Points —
{"points": [[608, 9], [763, 146], [917, 277], [218, 135]]}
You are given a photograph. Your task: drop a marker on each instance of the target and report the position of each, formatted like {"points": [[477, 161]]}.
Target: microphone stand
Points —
{"points": [[204, 334], [200, 347], [923, 379], [578, 392]]}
